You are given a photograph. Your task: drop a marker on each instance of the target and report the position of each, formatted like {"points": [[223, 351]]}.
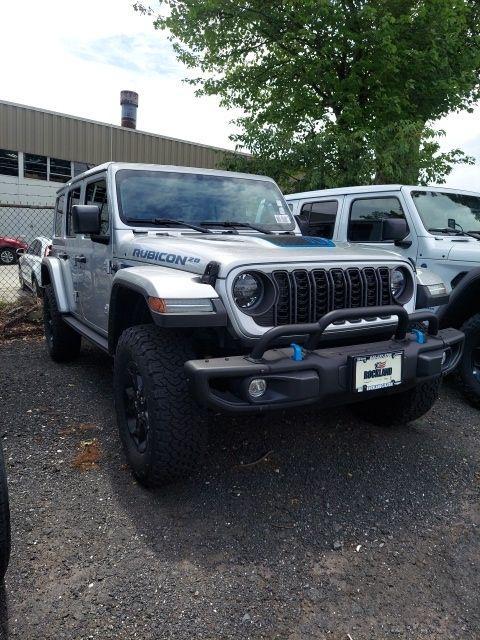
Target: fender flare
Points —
{"points": [[158, 282], [464, 301], [51, 273]]}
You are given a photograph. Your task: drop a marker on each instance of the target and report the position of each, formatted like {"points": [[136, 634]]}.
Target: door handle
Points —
{"points": [[63, 256], [80, 259]]}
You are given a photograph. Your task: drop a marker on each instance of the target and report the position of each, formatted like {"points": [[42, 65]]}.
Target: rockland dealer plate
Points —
{"points": [[377, 371]]}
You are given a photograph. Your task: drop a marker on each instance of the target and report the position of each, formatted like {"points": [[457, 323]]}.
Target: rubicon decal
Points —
{"points": [[163, 256]]}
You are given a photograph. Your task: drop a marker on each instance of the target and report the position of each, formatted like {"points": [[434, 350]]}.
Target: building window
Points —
{"points": [[35, 166], [8, 163], [60, 170], [80, 167]]}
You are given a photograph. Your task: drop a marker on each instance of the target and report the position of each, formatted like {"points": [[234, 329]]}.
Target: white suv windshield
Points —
{"points": [[148, 196], [443, 211]]}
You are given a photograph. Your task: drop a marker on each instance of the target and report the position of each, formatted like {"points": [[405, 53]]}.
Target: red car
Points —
{"points": [[8, 249]]}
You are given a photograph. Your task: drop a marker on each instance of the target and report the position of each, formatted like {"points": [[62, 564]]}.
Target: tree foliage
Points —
{"points": [[334, 92]]}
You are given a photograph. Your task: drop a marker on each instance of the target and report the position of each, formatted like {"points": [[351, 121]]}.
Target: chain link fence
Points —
{"points": [[20, 226]]}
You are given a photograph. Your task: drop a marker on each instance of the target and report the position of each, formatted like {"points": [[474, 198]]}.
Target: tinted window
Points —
{"points": [[37, 247], [31, 248], [96, 193], [73, 198], [57, 231], [60, 170], [318, 218], [35, 166], [366, 216], [8, 162]]}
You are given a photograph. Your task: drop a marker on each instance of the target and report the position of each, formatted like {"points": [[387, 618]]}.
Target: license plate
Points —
{"points": [[377, 371]]}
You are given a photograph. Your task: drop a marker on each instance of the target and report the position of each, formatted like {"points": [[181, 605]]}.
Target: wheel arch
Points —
{"points": [[464, 301], [128, 308], [51, 274]]}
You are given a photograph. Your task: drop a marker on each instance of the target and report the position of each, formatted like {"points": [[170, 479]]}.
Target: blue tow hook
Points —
{"points": [[419, 336], [297, 352]]}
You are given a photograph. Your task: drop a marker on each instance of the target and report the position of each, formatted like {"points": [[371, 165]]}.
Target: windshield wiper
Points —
{"points": [[447, 230], [232, 224], [169, 222]]}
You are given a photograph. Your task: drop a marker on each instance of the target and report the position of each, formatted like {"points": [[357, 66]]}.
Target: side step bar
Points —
{"points": [[90, 334]]}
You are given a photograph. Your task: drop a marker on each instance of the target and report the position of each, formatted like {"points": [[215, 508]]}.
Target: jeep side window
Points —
{"points": [[367, 215], [57, 226], [96, 193], [318, 218], [73, 198]]}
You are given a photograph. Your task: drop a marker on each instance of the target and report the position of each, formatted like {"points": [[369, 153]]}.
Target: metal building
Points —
{"points": [[39, 150]]}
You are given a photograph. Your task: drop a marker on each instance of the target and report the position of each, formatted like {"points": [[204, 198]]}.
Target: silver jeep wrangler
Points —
{"points": [[201, 286]]}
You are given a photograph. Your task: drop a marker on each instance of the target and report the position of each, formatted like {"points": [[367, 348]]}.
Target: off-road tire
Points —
{"points": [[399, 408], [4, 519], [7, 256], [63, 343], [177, 428], [469, 384]]}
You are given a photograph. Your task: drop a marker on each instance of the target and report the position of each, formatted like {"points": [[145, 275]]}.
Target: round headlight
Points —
{"points": [[247, 290], [398, 283]]}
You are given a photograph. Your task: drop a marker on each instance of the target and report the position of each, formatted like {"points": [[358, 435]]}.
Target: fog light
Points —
{"points": [[257, 387]]}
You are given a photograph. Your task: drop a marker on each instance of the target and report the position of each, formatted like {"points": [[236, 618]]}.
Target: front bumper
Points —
{"points": [[324, 375]]}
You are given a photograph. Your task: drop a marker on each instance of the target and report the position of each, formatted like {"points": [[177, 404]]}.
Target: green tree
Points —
{"points": [[334, 92]]}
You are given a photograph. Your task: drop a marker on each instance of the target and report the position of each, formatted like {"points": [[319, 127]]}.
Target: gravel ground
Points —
{"points": [[343, 531]]}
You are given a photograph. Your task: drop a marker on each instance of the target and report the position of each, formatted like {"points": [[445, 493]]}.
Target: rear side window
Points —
{"points": [[367, 215], [96, 193], [57, 229], [319, 217], [73, 198]]}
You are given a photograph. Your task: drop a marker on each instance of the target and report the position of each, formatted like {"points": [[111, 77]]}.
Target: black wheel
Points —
{"points": [[162, 428], [468, 370], [4, 519], [7, 256], [63, 343], [36, 287], [399, 408]]}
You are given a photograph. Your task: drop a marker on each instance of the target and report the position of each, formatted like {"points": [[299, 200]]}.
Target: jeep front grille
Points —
{"points": [[305, 296]]}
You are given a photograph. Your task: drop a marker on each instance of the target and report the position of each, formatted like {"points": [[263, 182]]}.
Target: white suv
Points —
{"points": [[434, 227]]}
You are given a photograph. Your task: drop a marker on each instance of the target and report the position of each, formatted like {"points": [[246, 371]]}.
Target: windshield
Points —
{"points": [[144, 196], [442, 210]]}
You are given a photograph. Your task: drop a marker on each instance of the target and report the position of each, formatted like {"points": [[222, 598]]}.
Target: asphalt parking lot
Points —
{"points": [[298, 526]]}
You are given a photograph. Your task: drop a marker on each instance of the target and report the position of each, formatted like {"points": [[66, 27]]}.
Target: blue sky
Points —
{"points": [[76, 57]]}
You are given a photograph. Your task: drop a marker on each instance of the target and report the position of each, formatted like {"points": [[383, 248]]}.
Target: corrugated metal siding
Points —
{"points": [[70, 138]]}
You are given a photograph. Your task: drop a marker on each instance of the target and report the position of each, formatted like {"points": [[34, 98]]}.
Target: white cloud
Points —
{"points": [[76, 57]]}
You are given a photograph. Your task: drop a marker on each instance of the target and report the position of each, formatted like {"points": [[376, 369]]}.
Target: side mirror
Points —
{"points": [[86, 219], [394, 229], [20, 252]]}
